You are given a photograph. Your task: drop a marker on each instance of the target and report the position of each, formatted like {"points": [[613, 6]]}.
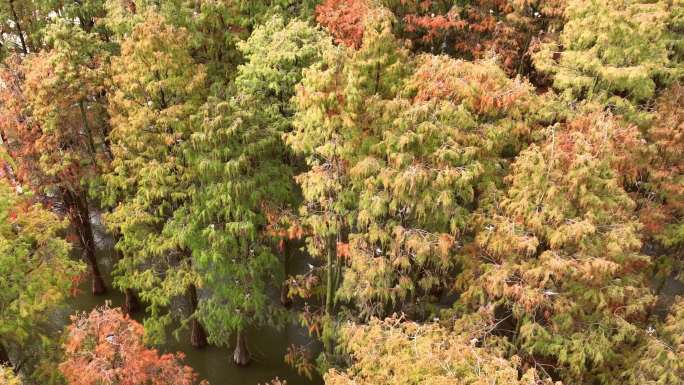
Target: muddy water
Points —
{"points": [[267, 346]]}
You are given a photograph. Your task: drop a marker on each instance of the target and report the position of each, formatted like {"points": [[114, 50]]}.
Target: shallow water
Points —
{"points": [[267, 346]]}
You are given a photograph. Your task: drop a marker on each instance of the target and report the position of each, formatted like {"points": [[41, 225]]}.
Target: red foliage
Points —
{"points": [[507, 28], [106, 348], [434, 26], [471, 32], [344, 20]]}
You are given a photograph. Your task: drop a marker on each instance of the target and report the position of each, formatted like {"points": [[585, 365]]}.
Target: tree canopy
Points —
{"points": [[440, 192]]}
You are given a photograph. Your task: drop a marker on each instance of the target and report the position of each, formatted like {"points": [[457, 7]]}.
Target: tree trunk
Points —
{"points": [[330, 276], [241, 354], [285, 299], [9, 171], [89, 133], [77, 206], [331, 252], [131, 303], [198, 337], [4, 356], [17, 24]]}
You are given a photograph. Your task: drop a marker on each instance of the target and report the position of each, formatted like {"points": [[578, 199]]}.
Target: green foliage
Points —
{"points": [[615, 51], [242, 178], [660, 360], [37, 273], [215, 27], [436, 154], [339, 101], [157, 88], [398, 160], [21, 24], [276, 54], [542, 226]]}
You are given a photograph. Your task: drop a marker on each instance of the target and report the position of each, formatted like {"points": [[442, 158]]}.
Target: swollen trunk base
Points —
{"points": [[99, 287], [241, 354], [131, 304], [285, 300], [198, 337]]}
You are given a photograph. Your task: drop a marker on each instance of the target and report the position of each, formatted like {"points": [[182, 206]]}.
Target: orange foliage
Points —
{"points": [[666, 167], [504, 27], [344, 20], [300, 358], [434, 26], [49, 157], [626, 146], [106, 348], [342, 249], [19, 130], [507, 28], [469, 83], [283, 224]]}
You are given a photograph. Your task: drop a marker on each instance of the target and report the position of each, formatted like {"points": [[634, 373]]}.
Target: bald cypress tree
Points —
{"points": [[242, 177], [401, 150], [559, 255], [157, 87], [394, 351], [336, 104], [56, 123], [440, 152]]}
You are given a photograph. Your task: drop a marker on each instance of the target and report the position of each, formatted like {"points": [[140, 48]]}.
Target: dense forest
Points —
{"points": [[480, 191]]}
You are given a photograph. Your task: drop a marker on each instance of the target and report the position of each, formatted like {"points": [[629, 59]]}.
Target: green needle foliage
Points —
{"points": [[242, 178], [157, 89], [615, 51], [337, 103], [37, 272]]}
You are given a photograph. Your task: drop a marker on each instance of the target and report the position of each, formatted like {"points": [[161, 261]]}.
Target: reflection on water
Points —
{"points": [[266, 345]]}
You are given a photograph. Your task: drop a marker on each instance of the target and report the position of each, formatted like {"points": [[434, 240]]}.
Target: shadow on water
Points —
{"points": [[267, 345]]}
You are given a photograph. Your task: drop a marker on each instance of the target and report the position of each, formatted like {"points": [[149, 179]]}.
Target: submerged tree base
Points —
{"points": [[241, 355], [131, 303], [98, 287], [198, 337], [285, 299], [4, 356]]}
